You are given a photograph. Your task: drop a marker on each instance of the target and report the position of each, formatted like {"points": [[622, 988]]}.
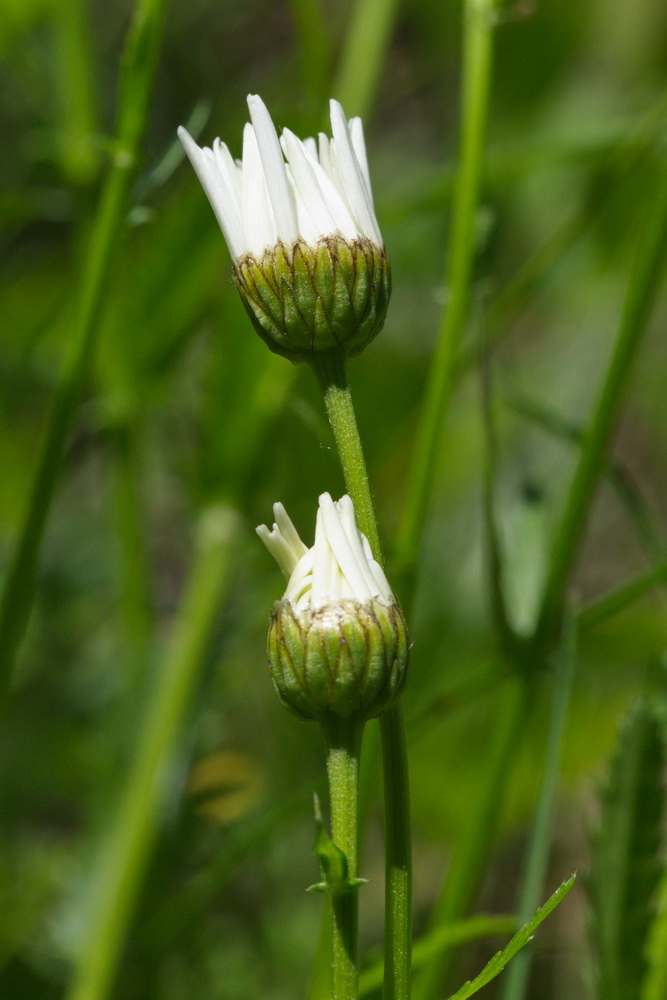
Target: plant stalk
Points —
{"points": [[343, 748], [539, 848], [330, 370], [642, 290], [122, 864], [477, 61], [136, 82], [470, 857]]}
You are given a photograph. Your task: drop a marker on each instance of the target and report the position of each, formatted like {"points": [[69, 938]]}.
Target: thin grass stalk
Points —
{"points": [[469, 859], [643, 287], [76, 91], [477, 62], [365, 48], [136, 84], [314, 49], [133, 594], [620, 598], [122, 863], [539, 847]]}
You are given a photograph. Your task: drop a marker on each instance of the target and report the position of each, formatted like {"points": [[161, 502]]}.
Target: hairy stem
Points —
{"points": [[343, 748], [331, 373]]}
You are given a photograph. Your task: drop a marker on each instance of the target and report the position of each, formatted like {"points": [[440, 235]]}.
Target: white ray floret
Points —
{"points": [[339, 566], [287, 189]]}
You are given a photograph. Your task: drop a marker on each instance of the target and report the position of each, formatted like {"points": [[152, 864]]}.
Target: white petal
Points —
{"points": [[324, 154], [344, 552], [321, 563], [228, 168], [355, 540], [306, 186], [306, 227], [351, 177], [223, 200], [278, 187], [335, 203], [283, 541], [359, 146], [381, 582], [286, 528], [259, 227]]}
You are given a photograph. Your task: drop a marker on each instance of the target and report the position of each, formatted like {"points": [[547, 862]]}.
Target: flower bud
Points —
{"points": [[338, 643], [312, 298], [347, 659], [298, 217]]}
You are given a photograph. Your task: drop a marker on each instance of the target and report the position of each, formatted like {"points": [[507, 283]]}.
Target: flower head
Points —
{"points": [[337, 640], [299, 221]]}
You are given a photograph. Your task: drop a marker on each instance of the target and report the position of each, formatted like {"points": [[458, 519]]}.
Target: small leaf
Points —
{"points": [[444, 937], [333, 862], [522, 937], [624, 865]]}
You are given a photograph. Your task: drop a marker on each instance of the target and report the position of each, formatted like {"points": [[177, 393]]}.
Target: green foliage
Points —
{"points": [[624, 865], [496, 965], [179, 408]]}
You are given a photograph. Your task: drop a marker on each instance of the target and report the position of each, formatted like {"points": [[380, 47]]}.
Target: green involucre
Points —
{"points": [[311, 298], [345, 659]]}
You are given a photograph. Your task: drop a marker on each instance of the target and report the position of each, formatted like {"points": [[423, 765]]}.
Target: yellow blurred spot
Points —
{"points": [[225, 785]]}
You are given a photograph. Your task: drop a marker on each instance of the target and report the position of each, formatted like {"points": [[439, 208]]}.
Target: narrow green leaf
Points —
{"points": [[654, 986], [458, 932], [624, 867], [496, 965]]}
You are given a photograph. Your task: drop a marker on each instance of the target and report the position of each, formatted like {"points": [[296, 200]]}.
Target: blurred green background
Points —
{"points": [[187, 424]]}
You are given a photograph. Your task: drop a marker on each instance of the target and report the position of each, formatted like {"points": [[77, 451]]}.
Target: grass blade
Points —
{"points": [[123, 861], [448, 936], [137, 74], [642, 291], [541, 834], [624, 867], [478, 47], [496, 965]]}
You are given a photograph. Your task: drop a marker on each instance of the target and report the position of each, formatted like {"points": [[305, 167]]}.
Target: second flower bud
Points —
{"points": [[338, 644]]}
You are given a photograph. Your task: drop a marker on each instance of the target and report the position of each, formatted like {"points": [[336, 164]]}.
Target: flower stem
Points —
{"points": [[136, 84], [330, 370], [645, 283], [331, 373], [515, 983], [472, 852], [479, 20], [132, 833], [343, 741]]}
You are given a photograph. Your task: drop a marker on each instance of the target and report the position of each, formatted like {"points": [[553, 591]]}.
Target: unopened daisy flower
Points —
{"points": [[338, 642], [298, 217]]}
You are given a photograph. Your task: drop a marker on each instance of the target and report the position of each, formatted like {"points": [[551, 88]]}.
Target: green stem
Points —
{"points": [[619, 598], [469, 860], [136, 81], [314, 49], [539, 849], [330, 370], [132, 835], [331, 373], [365, 47], [398, 882], [343, 742], [642, 290], [477, 56], [134, 595]]}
